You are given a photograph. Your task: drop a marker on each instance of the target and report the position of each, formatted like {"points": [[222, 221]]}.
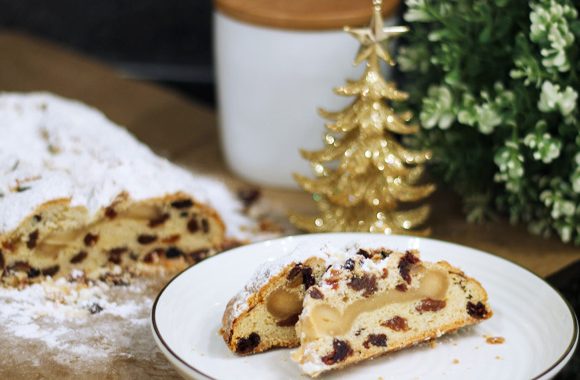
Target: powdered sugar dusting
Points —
{"points": [[53, 148], [89, 329]]}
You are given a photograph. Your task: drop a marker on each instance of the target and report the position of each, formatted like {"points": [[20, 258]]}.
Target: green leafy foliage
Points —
{"points": [[495, 86]]}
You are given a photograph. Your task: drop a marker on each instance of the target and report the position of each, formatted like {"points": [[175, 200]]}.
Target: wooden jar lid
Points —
{"points": [[303, 14]]}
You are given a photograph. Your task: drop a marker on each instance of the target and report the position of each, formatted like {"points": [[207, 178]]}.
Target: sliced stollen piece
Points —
{"points": [[79, 192], [263, 314], [380, 301]]}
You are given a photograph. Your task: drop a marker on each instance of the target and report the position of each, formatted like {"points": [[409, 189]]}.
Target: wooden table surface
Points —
{"points": [[187, 133]]}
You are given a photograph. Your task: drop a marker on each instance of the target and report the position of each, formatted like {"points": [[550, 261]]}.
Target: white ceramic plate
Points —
{"points": [[539, 327]]}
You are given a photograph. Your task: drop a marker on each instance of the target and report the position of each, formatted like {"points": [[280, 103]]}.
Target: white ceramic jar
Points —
{"points": [[270, 82]]}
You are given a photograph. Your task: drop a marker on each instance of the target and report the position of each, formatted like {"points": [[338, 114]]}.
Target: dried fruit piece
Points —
{"points": [[110, 212], [182, 203], [405, 264], [205, 225], [379, 340], [477, 310], [429, 304], [159, 220], [50, 271], [198, 255], [193, 225], [173, 252], [115, 254], [316, 293], [349, 264], [307, 277], [245, 345], [33, 273], [146, 239], [401, 287], [396, 324], [340, 351], [32, 239], [95, 308], [290, 321], [2, 262], [78, 258], [363, 253], [367, 282], [295, 271], [90, 239]]}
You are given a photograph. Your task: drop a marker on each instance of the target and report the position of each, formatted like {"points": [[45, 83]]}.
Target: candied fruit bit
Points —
{"points": [[379, 340], [249, 196], [405, 264], [153, 256], [349, 264], [146, 239], [172, 239], [340, 351], [385, 273], [193, 225], [429, 304], [50, 271], [307, 277], [32, 239], [90, 239], [110, 212], [367, 282], [37, 218], [182, 203], [78, 258], [246, 345], [316, 293], [477, 310], [290, 321], [161, 219], [396, 324]]}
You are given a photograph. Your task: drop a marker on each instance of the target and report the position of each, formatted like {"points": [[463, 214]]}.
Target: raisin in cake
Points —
{"points": [[263, 314], [380, 301], [79, 192]]}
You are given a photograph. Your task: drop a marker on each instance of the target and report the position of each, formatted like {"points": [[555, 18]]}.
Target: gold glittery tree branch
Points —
{"points": [[363, 173]]}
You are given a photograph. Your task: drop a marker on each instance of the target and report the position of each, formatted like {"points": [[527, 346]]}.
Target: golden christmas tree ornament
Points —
{"points": [[364, 173]]}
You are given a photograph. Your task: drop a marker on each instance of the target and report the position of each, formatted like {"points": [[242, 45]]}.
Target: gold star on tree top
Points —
{"points": [[375, 37]]}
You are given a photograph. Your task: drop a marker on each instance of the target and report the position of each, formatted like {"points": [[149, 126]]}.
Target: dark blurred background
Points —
{"points": [[167, 41]]}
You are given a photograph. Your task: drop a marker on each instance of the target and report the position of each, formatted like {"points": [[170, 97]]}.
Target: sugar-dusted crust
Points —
{"points": [[78, 191], [390, 327]]}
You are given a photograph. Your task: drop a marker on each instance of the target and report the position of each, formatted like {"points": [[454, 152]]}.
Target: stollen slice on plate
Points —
{"points": [[378, 301], [263, 314]]}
